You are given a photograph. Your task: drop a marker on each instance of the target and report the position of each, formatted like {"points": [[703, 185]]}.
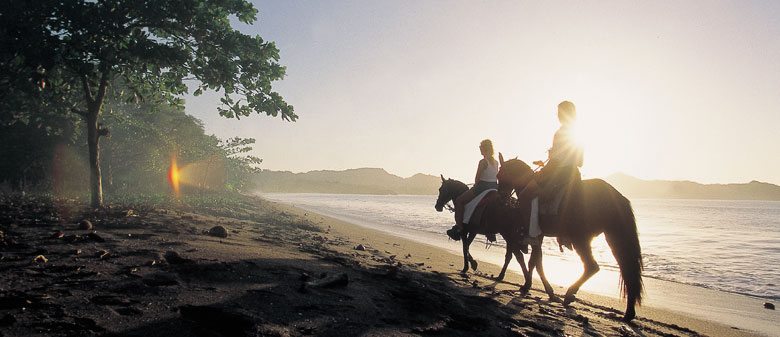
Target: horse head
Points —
{"points": [[449, 190], [513, 174]]}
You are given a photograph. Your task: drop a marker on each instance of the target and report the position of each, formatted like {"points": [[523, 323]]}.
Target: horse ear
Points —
{"points": [[501, 158], [442, 178]]}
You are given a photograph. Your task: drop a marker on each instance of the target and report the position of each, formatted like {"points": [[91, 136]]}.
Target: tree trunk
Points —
{"points": [[91, 116], [93, 138]]}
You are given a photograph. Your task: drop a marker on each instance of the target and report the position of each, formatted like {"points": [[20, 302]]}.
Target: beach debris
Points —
{"points": [[360, 247], [95, 237], [330, 281], [174, 258], [85, 224], [75, 252], [40, 259], [408, 256], [57, 235], [625, 331], [769, 305], [218, 231], [102, 254]]}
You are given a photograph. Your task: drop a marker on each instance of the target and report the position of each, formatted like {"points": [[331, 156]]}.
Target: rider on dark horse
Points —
{"points": [[561, 175], [485, 179]]}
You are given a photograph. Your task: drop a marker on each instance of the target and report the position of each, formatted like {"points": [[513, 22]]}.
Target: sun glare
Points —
{"points": [[174, 176]]}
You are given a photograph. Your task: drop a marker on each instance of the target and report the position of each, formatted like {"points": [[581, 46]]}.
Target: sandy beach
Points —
{"points": [[269, 270]]}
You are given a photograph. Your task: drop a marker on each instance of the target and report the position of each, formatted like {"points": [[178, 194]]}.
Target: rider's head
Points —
{"points": [[486, 147], [566, 112]]}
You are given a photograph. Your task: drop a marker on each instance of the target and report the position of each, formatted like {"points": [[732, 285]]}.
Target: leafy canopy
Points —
{"points": [[153, 45]]}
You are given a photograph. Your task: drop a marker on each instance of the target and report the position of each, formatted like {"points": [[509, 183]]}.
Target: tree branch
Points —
{"points": [[87, 89], [102, 88]]}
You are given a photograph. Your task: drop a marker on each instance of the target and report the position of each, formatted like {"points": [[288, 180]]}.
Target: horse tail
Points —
{"points": [[622, 237]]}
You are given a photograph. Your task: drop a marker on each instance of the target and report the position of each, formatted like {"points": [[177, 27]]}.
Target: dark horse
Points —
{"points": [[498, 217], [594, 208]]}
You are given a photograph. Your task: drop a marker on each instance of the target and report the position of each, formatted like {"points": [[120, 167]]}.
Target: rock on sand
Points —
{"points": [[218, 231]]}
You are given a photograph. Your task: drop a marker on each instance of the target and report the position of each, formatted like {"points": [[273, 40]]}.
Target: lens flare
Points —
{"points": [[174, 176]]}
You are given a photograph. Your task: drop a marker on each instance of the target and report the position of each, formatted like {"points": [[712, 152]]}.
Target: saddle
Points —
{"points": [[552, 206], [475, 220], [476, 216], [550, 203]]}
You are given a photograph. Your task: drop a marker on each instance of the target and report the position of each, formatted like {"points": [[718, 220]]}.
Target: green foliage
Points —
{"points": [[152, 45], [65, 56], [135, 158], [241, 166]]}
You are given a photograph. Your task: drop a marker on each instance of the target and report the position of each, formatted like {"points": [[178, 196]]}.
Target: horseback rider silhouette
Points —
{"points": [[485, 179], [561, 175]]}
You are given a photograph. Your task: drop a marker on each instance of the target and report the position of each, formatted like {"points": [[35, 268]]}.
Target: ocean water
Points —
{"points": [[725, 245]]}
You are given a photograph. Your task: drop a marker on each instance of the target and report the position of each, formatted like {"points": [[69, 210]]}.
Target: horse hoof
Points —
{"points": [[629, 316], [500, 277], [474, 264], [555, 299], [568, 300], [464, 272], [525, 289]]}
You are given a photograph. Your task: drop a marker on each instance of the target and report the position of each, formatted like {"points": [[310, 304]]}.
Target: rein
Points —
{"points": [[449, 207]]}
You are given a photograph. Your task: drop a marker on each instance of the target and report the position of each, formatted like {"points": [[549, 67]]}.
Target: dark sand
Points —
{"points": [[279, 272]]}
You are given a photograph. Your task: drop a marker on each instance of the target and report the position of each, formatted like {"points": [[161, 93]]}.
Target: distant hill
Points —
{"points": [[379, 181], [661, 189], [352, 181]]}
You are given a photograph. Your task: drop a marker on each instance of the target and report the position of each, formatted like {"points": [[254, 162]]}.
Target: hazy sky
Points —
{"points": [[664, 89]]}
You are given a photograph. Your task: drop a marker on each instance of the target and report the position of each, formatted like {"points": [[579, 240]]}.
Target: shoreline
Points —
{"points": [[659, 308]]}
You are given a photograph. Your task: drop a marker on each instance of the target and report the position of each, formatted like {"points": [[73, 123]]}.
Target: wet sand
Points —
{"points": [[279, 271]]}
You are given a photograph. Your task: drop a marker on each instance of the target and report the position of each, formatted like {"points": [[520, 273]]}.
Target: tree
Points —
{"points": [[241, 166], [151, 46]]}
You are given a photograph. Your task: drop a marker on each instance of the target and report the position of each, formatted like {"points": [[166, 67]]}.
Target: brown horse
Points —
{"points": [[593, 208], [502, 215]]}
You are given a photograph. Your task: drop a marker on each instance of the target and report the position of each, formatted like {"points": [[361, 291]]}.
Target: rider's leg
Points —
{"points": [[460, 206], [569, 178]]}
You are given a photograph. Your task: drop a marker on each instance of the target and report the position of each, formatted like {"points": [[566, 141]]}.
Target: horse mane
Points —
{"points": [[459, 183], [516, 167]]}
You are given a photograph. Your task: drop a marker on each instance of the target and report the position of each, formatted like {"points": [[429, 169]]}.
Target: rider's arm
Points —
{"points": [[480, 167]]}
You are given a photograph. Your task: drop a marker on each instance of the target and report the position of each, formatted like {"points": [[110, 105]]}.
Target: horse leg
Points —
{"points": [[472, 261], [536, 256], [532, 261], [507, 259], [466, 239], [582, 247], [521, 260]]}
